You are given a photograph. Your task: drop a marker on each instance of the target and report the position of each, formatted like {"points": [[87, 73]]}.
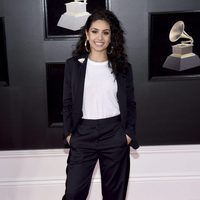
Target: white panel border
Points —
{"points": [[148, 163]]}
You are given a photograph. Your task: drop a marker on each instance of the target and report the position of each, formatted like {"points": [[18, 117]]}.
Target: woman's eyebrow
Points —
{"points": [[93, 28]]}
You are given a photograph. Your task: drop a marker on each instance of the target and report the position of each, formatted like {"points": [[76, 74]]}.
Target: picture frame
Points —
{"points": [[53, 11], [54, 86], [161, 25], [4, 76]]}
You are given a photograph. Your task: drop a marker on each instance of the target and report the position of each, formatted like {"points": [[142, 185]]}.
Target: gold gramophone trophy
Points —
{"points": [[182, 57]]}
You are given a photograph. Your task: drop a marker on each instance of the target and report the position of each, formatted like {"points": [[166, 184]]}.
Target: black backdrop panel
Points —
{"points": [[4, 80], [168, 111], [55, 75]]}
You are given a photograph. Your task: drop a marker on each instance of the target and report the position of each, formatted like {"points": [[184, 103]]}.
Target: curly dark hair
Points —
{"points": [[116, 52]]}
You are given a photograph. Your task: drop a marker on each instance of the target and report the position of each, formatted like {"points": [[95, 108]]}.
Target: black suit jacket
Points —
{"points": [[74, 77]]}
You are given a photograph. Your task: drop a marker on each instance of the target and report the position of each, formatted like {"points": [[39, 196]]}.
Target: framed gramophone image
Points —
{"points": [[64, 18], [4, 76], [174, 45], [54, 86]]}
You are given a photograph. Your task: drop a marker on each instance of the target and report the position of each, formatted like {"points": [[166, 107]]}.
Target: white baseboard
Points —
{"points": [[157, 173]]}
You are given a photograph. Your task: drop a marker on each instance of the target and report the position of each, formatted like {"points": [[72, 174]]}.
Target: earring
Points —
{"points": [[86, 46], [111, 50]]}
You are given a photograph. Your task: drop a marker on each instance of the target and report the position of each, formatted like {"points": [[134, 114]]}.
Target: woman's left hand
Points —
{"points": [[128, 139]]}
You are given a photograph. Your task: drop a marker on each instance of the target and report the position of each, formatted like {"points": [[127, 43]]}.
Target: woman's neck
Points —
{"points": [[98, 57]]}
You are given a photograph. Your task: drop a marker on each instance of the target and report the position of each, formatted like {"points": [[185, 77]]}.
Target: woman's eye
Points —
{"points": [[106, 33], [93, 31]]}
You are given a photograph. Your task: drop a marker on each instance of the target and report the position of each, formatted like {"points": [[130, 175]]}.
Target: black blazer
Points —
{"points": [[74, 77]]}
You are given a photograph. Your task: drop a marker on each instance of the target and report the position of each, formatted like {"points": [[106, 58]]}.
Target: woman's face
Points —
{"points": [[99, 36]]}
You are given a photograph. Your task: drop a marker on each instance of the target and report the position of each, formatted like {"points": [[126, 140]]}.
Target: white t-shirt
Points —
{"points": [[100, 92]]}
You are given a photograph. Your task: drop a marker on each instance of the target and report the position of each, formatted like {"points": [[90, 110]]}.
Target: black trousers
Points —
{"points": [[102, 140]]}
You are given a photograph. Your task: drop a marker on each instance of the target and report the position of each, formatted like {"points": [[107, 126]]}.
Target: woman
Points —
{"points": [[99, 109]]}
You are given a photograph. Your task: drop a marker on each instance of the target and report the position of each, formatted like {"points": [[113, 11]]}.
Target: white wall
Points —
{"points": [[157, 173]]}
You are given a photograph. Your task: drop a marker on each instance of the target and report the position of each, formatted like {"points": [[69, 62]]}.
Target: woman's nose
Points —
{"points": [[100, 36]]}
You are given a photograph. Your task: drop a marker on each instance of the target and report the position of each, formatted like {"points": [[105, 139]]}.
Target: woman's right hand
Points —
{"points": [[68, 138]]}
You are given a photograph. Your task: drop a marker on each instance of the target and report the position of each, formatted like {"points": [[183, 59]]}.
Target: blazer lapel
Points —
{"points": [[80, 85], [121, 93]]}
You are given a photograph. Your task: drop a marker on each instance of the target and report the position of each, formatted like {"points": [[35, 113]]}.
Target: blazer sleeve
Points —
{"points": [[131, 105], [67, 100]]}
